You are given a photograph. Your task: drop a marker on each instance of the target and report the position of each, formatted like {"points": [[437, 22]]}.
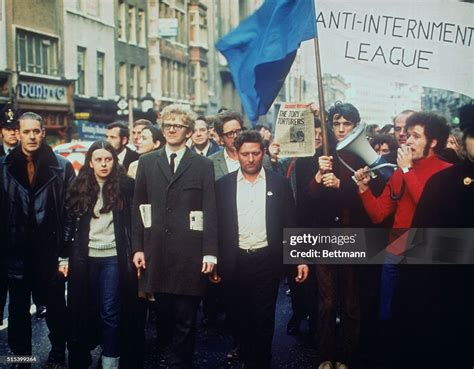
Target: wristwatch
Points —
{"points": [[405, 170]]}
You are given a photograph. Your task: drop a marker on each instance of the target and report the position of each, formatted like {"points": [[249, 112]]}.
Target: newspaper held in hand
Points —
{"points": [[294, 130], [196, 220], [145, 212]]}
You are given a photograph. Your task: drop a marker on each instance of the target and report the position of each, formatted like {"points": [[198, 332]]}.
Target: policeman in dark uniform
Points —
{"points": [[9, 128]]}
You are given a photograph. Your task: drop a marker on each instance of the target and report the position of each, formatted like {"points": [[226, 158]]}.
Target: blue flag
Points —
{"points": [[261, 50]]}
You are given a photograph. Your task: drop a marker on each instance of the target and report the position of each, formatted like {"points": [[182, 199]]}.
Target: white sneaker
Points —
{"points": [[325, 365], [110, 362]]}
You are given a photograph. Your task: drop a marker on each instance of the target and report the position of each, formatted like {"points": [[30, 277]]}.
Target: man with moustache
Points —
{"points": [[35, 231], [174, 234], [259, 204]]}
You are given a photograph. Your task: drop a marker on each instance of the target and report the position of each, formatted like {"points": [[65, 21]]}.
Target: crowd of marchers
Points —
{"points": [[190, 212]]}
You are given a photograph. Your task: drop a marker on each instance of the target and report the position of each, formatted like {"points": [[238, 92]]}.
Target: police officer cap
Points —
{"points": [[9, 116], [466, 118]]}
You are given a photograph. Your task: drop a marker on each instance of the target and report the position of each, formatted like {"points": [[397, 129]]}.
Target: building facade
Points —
{"points": [[198, 59], [4, 73], [131, 55], [36, 58], [89, 54]]}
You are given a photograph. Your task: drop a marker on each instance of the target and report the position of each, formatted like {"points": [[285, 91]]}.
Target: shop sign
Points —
{"points": [[91, 131], [42, 92]]}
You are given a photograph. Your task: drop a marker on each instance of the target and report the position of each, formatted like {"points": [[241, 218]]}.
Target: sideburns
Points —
{"points": [[426, 149]]}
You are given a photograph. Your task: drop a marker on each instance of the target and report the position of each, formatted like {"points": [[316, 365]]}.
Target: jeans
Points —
{"points": [[104, 287], [389, 283]]}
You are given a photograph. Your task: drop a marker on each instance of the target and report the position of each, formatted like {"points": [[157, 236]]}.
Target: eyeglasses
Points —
{"points": [[233, 133], [176, 127]]}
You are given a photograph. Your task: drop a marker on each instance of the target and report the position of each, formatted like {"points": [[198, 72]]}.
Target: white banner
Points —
{"points": [[423, 42]]}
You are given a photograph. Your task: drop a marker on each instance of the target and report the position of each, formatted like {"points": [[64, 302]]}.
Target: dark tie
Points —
{"points": [[172, 157], [30, 168]]}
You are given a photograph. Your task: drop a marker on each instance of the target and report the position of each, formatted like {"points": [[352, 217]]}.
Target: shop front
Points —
{"points": [[50, 98]]}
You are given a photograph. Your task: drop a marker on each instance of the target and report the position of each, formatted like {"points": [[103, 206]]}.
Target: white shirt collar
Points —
{"points": [[261, 176], [121, 156], [8, 148], [179, 153], [227, 157], [205, 150]]}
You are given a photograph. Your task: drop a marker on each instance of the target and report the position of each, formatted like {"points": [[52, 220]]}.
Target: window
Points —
{"points": [[122, 22], [198, 29], [100, 74], [132, 25], [143, 82], [37, 53], [181, 27], [81, 66], [164, 10], [194, 81], [204, 95], [133, 81], [141, 28], [123, 80], [193, 37], [203, 30]]}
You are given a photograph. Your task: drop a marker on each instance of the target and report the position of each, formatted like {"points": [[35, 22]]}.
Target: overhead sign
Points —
{"points": [[168, 27], [427, 43]]}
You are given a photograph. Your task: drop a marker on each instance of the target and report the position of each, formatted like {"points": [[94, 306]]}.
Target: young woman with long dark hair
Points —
{"points": [[102, 290]]}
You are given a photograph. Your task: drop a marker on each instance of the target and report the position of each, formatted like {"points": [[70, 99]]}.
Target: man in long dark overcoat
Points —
{"points": [[175, 232], [33, 234]]}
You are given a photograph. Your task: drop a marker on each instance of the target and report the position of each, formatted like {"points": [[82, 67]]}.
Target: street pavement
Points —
{"points": [[212, 343]]}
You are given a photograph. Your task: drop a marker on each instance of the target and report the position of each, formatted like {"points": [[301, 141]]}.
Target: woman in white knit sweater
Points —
{"points": [[102, 294]]}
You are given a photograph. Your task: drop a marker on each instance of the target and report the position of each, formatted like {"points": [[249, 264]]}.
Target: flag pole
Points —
{"points": [[319, 81]]}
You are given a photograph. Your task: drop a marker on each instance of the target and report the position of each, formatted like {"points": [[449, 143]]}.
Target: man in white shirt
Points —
{"points": [[228, 128], [259, 204]]}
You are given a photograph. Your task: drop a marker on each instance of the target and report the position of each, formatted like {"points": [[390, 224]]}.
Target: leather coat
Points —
{"points": [[34, 228]]}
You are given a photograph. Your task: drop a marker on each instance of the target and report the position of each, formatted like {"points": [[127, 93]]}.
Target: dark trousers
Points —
{"points": [[337, 282], [303, 296], [255, 291], [104, 287], [19, 318], [177, 328]]}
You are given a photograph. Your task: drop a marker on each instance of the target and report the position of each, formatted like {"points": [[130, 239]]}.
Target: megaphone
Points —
{"points": [[356, 142]]}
